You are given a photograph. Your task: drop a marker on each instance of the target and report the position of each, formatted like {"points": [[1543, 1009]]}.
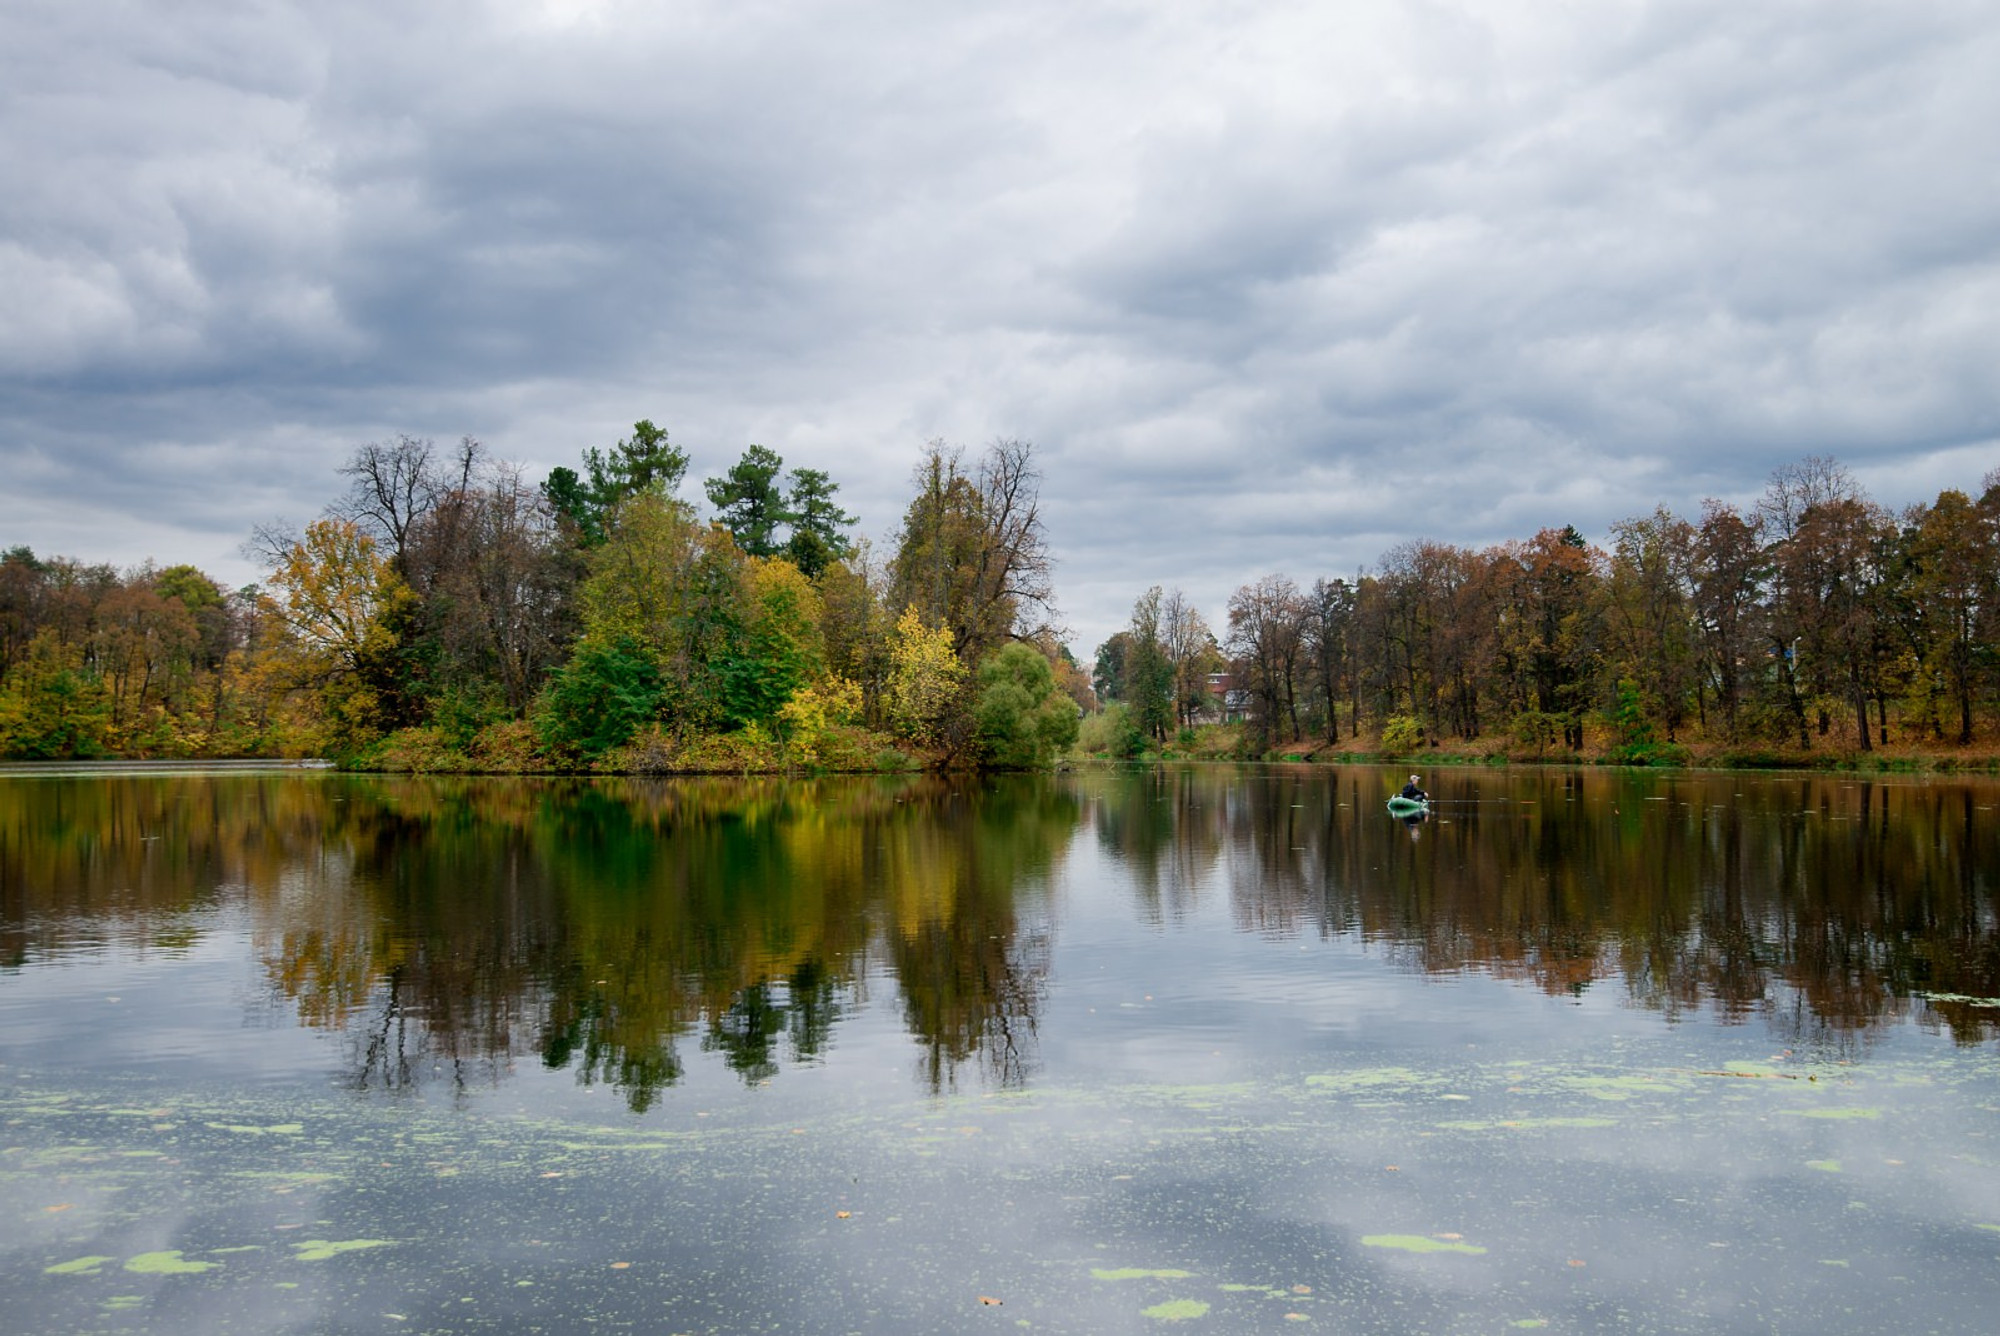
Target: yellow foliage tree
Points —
{"points": [[926, 678], [813, 712], [337, 595]]}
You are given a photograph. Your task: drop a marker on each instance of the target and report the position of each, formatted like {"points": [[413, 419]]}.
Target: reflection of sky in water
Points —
{"points": [[1211, 1088]]}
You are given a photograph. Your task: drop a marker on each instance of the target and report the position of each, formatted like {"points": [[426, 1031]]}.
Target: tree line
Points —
{"points": [[445, 612], [1814, 618]]}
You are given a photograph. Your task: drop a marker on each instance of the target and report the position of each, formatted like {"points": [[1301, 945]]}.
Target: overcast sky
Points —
{"points": [[1271, 287]]}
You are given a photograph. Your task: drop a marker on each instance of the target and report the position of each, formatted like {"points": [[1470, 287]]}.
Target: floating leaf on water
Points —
{"points": [[989, 1301], [1176, 1310], [1418, 1243]]}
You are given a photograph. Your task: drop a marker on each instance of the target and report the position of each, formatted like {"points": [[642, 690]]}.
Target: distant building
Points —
{"points": [[1228, 703]]}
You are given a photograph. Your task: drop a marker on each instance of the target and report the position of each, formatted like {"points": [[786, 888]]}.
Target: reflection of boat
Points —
{"points": [[1409, 807]]}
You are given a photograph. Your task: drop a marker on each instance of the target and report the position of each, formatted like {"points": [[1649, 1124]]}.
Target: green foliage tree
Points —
{"points": [[52, 707], [749, 502], [608, 690], [1108, 673], [776, 650], [817, 520], [643, 462], [1022, 720], [1149, 668]]}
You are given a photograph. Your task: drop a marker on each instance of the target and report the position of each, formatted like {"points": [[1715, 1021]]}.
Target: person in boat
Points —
{"points": [[1414, 791]]}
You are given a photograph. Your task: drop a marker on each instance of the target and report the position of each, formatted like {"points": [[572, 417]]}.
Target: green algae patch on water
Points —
{"points": [[81, 1266], [318, 1250], [1523, 1124], [1419, 1243], [1200, 1098], [1824, 1166], [1618, 1087], [169, 1263], [1376, 1081], [1136, 1273], [252, 1130], [1831, 1113], [1176, 1310]]}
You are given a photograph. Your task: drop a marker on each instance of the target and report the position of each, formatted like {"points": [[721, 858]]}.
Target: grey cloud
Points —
{"points": [[1272, 287]]}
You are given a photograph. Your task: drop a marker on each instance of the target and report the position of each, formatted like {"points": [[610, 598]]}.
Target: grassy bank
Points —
{"points": [[1231, 742]]}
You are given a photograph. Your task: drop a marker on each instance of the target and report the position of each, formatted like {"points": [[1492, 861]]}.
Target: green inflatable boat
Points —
{"points": [[1406, 807]]}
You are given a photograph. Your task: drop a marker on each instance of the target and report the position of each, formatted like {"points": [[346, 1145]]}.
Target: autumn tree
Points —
{"points": [[972, 555], [1191, 654], [1953, 556], [1549, 599], [1727, 573], [494, 585], [1822, 537], [1649, 598], [1266, 622], [336, 594], [1329, 631], [926, 680]]}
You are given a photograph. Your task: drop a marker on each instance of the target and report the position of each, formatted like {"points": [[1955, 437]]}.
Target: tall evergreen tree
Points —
{"points": [[749, 502]]}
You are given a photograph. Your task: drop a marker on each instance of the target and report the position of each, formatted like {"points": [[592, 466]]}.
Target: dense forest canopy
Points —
{"points": [[1815, 618], [445, 612]]}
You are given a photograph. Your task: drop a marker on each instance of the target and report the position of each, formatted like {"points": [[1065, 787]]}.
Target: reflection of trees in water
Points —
{"points": [[972, 976], [448, 927], [1164, 828], [610, 922], [1825, 906], [135, 860]]}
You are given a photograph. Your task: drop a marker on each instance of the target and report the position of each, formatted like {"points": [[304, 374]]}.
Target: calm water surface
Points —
{"points": [[1175, 1050]]}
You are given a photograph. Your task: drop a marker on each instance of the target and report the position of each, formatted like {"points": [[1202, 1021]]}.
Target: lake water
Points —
{"points": [[1162, 1050]]}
